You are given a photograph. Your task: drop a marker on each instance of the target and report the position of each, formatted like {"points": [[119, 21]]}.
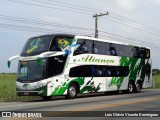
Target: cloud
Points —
{"points": [[155, 1], [127, 4], [53, 19]]}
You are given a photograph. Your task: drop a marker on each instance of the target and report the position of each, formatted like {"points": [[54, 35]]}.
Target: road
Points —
{"points": [[147, 100]]}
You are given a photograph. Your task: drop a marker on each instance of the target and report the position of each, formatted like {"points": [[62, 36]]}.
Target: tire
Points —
{"points": [[138, 87], [47, 98], [131, 87], [72, 91]]}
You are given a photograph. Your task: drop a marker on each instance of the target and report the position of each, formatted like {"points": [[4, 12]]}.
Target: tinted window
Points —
{"points": [[37, 45], [79, 71], [112, 49], [147, 53], [139, 52], [123, 50], [61, 43], [84, 46], [99, 48], [30, 70], [99, 71], [56, 65]]}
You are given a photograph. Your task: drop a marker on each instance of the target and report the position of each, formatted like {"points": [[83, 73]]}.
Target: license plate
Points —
{"points": [[26, 93]]}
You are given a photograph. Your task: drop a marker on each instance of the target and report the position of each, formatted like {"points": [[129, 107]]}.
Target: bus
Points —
{"points": [[67, 65]]}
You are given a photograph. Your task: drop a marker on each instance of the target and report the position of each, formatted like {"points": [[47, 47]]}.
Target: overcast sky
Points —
{"points": [[143, 11]]}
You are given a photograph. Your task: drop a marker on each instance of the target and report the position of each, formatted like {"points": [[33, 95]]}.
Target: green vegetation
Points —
{"points": [[8, 88], [157, 81], [156, 72]]}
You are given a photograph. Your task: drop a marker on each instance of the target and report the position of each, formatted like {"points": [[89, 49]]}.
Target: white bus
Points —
{"points": [[62, 64]]}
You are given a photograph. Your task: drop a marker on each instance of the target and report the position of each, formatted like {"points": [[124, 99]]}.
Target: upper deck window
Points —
{"points": [[37, 45], [84, 46], [61, 43]]}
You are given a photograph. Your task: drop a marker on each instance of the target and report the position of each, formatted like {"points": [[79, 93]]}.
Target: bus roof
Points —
{"points": [[95, 39], [67, 35], [110, 41]]}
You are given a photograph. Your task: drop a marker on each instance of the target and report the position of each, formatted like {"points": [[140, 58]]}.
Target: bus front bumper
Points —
{"points": [[29, 93]]}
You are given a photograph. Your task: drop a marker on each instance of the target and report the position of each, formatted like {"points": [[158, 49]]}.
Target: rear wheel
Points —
{"points": [[130, 87], [138, 87], [47, 98], [72, 91]]}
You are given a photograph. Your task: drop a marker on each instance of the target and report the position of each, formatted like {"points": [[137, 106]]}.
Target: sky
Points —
{"points": [[145, 12]]}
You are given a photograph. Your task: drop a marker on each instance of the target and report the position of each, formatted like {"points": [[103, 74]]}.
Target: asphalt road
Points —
{"points": [[147, 100]]}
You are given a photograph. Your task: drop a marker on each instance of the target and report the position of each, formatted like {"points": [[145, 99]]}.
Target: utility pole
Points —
{"points": [[96, 22]]}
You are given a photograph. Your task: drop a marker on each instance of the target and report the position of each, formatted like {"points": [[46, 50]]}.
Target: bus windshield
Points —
{"points": [[30, 70], [37, 45]]}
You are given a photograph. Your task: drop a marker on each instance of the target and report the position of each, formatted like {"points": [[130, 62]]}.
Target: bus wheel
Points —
{"points": [[130, 87], [138, 87], [72, 91], [47, 98]]}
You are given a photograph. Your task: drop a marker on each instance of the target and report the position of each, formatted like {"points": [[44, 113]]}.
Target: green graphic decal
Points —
{"points": [[33, 45], [89, 87], [74, 40], [135, 68], [93, 59], [64, 87], [25, 85]]}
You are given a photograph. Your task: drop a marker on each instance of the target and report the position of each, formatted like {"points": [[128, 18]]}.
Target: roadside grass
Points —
{"points": [[157, 81], [8, 88]]}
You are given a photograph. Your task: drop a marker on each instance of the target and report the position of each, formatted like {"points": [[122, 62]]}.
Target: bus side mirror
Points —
{"points": [[9, 64], [10, 59]]}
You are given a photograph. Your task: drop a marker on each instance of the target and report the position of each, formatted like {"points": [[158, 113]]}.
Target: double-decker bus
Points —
{"points": [[63, 64]]}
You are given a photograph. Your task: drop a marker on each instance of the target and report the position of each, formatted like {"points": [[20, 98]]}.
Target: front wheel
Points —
{"points": [[72, 91]]}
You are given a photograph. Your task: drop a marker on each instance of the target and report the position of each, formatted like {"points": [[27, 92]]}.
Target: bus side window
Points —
{"points": [[98, 71], [99, 48], [147, 53], [123, 50], [107, 46], [139, 52], [83, 46], [112, 49], [78, 71]]}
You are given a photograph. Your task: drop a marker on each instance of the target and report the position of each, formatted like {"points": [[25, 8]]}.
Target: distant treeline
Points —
{"points": [[155, 72], [8, 73]]}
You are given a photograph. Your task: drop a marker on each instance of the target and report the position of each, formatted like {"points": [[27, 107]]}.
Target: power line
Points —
{"points": [[87, 13], [123, 39], [72, 6], [37, 29], [133, 21], [121, 18], [149, 31], [64, 5], [129, 39], [24, 20], [44, 30], [152, 31], [78, 6], [136, 24]]}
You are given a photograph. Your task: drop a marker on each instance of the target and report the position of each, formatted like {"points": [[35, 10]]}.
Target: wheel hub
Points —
{"points": [[72, 91]]}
